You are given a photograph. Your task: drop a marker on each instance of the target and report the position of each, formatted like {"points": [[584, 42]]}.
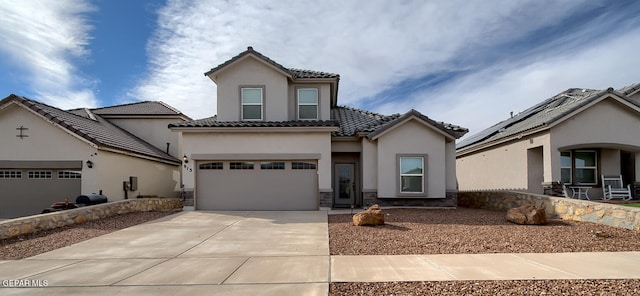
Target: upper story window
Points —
{"points": [[307, 103], [251, 103]]}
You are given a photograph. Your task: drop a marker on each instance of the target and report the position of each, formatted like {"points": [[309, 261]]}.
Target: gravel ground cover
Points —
{"points": [[37, 243], [473, 231]]}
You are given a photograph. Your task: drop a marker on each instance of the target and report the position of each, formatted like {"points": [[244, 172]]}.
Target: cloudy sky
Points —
{"points": [[465, 62]]}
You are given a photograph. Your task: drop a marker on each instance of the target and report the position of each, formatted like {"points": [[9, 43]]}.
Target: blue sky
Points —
{"points": [[465, 62]]}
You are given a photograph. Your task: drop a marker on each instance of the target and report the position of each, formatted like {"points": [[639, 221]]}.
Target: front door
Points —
{"points": [[345, 185]]}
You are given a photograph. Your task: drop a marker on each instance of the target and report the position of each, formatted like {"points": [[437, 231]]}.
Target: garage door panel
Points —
{"points": [[26, 196], [257, 189]]}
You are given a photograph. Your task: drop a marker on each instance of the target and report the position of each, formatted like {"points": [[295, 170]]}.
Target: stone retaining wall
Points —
{"points": [[556, 207], [35, 223]]}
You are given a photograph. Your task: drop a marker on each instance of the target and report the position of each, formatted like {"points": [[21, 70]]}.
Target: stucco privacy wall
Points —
{"points": [[32, 224], [406, 139], [154, 178], [239, 143], [506, 163], [556, 207], [250, 72]]}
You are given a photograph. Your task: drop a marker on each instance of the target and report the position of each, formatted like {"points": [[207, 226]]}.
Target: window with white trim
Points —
{"points": [[579, 167], [39, 174], [308, 103], [10, 174], [412, 174], [251, 98], [211, 166], [241, 165], [69, 175]]}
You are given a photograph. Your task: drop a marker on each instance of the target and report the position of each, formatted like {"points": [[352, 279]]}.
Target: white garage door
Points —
{"points": [[257, 185], [28, 191]]}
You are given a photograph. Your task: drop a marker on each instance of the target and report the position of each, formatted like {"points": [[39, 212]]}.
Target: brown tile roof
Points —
{"points": [[93, 128], [139, 108], [212, 122], [353, 121], [294, 73]]}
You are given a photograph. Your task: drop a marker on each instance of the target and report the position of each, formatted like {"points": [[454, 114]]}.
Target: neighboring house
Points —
{"points": [[48, 154], [281, 142], [574, 137]]}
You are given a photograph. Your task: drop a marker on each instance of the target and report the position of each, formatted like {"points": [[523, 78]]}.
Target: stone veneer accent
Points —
{"points": [[326, 199], [187, 197], [556, 207], [24, 225]]}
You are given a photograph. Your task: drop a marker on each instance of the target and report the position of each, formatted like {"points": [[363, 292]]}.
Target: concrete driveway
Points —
{"points": [[197, 253]]}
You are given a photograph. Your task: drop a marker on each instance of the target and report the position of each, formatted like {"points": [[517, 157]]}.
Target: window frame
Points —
{"points": [[400, 175], [316, 104], [241, 165], [10, 174], [574, 167], [570, 167], [69, 175], [272, 165], [40, 175], [211, 165], [303, 165], [243, 104]]}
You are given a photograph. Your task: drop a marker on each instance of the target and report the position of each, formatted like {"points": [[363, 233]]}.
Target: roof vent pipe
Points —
{"points": [[168, 147], [511, 114]]}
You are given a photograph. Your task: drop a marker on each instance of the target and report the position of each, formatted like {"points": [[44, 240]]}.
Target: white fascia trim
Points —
{"points": [[137, 155]]}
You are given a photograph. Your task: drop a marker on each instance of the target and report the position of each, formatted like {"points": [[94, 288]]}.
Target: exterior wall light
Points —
{"points": [[89, 163], [185, 159]]}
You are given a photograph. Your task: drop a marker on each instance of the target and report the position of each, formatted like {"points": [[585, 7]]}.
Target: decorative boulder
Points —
{"points": [[527, 215], [371, 216]]}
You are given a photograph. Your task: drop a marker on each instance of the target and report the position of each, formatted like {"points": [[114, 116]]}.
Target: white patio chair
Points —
{"points": [[612, 187]]}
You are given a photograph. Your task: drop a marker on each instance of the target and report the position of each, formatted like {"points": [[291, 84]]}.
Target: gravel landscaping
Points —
{"points": [[473, 231]]}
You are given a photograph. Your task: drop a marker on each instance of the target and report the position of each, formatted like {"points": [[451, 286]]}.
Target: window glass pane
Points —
{"points": [[308, 112], [246, 165], [565, 175], [303, 166], [69, 175], [251, 96], [586, 176], [585, 159], [307, 96], [252, 112], [565, 159], [211, 166], [411, 184], [272, 165], [410, 165]]}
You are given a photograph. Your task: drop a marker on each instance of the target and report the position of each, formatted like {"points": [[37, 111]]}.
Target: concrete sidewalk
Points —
{"points": [[525, 266], [265, 253]]}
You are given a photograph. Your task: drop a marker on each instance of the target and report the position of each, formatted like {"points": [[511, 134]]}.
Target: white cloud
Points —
{"points": [[374, 47], [42, 38]]}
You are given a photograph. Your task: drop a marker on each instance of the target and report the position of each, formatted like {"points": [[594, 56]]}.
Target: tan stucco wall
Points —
{"points": [[412, 137], [153, 130], [251, 72], [259, 143], [324, 93], [607, 122], [154, 178], [369, 165], [45, 141], [503, 167]]}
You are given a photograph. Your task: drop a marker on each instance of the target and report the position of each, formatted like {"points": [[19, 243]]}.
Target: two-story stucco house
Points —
{"points": [[574, 138], [48, 155], [281, 142]]}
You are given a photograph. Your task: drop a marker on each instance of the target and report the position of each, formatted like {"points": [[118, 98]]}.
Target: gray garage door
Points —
{"points": [[257, 185], [28, 191]]}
